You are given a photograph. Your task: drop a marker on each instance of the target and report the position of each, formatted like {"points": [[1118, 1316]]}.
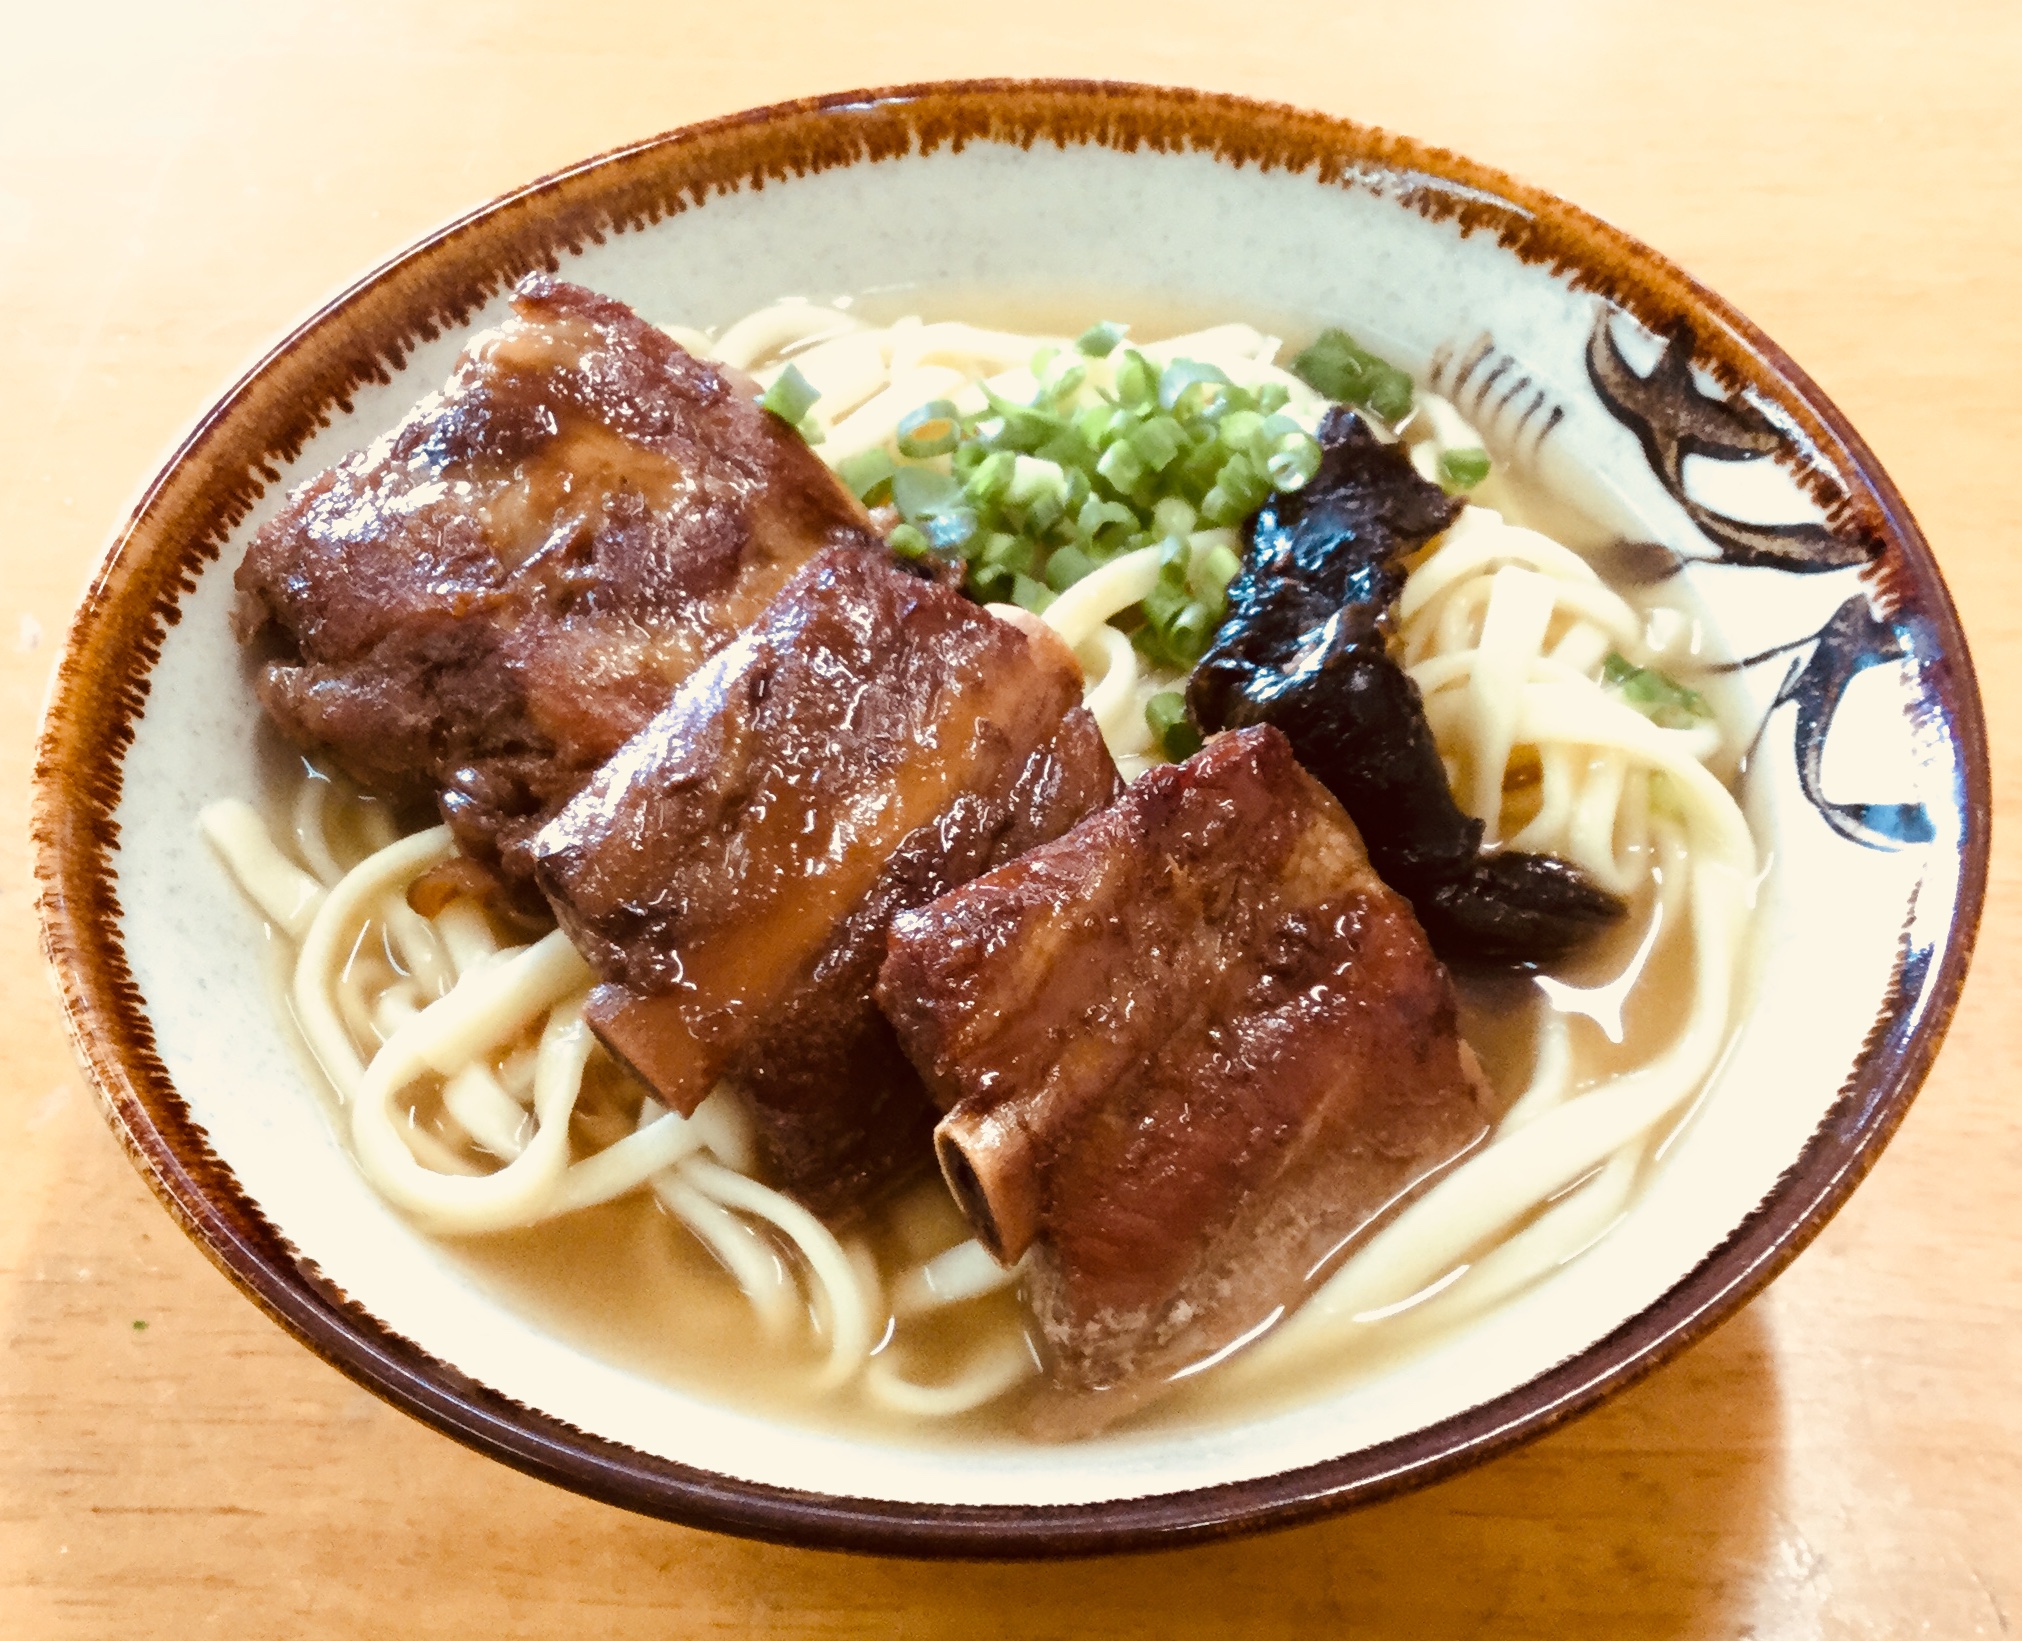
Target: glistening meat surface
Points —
{"points": [[1187, 1052], [488, 601], [874, 740]]}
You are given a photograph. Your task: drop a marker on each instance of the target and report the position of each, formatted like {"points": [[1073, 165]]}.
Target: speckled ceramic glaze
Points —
{"points": [[1583, 357]]}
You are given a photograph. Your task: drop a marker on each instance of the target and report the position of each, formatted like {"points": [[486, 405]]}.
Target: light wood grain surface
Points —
{"points": [[177, 184]]}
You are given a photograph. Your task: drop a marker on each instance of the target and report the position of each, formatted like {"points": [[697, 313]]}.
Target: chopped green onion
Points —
{"points": [[1038, 516], [1190, 386], [987, 551], [1031, 595], [1334, 366], [1190, 632], [1033, 477], [1099, 423], [1166, 715], [1068, 447], [1065, 566], [1199, 467], [1294, 461], [790, 397], [1099, 341], [1239, 428], [1463, 469], [1661, 699], [1004, 551], [1136, 381], [1390, 393], [1162, 606], [1219, 506], [908, 542], [1145, 640], [1239, 490], [1340, 368], [1173, 517], [1097, 514], [1031, 498], [1157, 441], [1122, 466], [1061, 376], [868, 474], [932, 430], [921, 492], [990, 477], [1022, 427], [1078, 487], [1219, 566], [1247, 480]]}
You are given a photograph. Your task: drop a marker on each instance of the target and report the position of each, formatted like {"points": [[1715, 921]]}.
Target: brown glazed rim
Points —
{"points": [[241, 444]]}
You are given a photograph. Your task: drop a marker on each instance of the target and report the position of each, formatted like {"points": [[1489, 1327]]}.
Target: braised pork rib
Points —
{"points": [[487, 602], [1187, 1052], [874, 740]]}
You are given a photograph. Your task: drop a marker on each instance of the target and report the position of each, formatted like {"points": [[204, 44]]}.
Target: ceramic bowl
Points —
{"points": [[1580, 353]]}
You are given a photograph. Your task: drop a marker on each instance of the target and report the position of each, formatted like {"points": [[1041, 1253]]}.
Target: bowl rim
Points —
{"points": [[212, 478]]}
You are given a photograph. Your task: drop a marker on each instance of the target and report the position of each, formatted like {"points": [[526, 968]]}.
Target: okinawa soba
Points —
{"points": [[968, 879]]}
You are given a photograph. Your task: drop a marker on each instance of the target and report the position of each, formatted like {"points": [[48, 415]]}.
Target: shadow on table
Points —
{"points": [[203, 1470], [1648, 1518]]}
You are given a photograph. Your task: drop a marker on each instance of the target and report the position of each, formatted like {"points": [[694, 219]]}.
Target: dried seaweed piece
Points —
{"points": [[1304, 649]]}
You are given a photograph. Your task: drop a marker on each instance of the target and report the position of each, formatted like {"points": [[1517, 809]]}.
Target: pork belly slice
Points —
{"points": [[874, 740], [484, 604], [1188, 1052]]}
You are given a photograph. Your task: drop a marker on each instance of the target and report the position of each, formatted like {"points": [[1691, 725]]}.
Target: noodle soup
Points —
{"points": [[656, 1243]]}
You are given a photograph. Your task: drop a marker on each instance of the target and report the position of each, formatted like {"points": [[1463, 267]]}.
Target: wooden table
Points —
{"points": [[177, 184]]}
